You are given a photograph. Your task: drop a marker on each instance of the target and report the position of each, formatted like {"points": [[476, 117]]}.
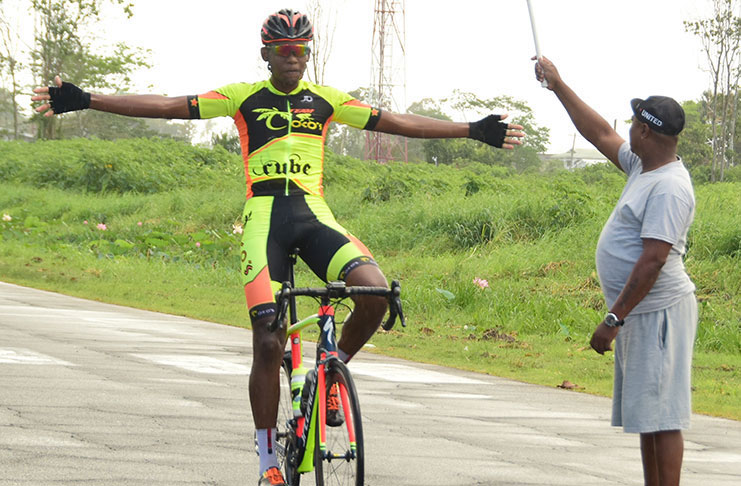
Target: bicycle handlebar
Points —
{"points": [[338, 290]]}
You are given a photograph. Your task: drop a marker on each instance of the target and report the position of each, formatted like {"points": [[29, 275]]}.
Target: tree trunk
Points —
{"points": [[15, 102], [734, 116], [720, 38], [714, 124]]}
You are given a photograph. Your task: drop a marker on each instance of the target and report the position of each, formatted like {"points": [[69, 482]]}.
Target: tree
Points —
{"points": [[694, 143], [345, 140], [61, 47], [721, 41], [229, 140], [348, 141], [6, 114], [108, 126], [325, 25], [468, 105], [10, 67], [421, 149]]}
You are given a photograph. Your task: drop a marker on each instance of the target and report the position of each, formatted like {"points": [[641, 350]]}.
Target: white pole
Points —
{"points": [[543, 83]]}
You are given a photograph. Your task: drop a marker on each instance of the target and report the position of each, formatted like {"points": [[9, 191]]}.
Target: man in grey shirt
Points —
{"points": [[653, 309]]}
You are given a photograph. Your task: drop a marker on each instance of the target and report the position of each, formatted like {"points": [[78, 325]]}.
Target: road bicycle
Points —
{"points": [[306, 441]]}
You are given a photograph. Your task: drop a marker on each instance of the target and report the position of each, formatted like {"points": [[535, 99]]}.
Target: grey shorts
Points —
{"points": [[653, 363]]}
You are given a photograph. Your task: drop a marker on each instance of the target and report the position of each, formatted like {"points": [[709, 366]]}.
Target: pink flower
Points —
{"points": [[484, 284], [102, 226], [198, 244], [139, 223], [84, 222]]}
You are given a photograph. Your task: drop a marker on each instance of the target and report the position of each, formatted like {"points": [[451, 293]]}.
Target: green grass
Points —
{"points": [[532, 237]]}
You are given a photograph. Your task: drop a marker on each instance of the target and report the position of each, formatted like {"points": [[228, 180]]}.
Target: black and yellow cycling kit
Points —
{"points": [[282, 138]]}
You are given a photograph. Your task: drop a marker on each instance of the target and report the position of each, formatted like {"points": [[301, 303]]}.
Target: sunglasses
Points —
{"points": [[287, 50]]}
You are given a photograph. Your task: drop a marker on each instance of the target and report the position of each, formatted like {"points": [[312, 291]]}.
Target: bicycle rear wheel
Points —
{"points": [[286, 440], [341, 462]]}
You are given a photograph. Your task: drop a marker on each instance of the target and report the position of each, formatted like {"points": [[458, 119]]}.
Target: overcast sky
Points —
{"points": [[609, 52]]}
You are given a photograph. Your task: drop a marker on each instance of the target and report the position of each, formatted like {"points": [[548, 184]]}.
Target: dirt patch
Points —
{"points": [[498, 335]]}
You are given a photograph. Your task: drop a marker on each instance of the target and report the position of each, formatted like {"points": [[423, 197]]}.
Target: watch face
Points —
{"points": [[611, 320]]}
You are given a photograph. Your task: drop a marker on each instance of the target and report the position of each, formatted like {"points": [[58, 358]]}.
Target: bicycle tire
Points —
{"points": [[286, 437], [344, 463]]}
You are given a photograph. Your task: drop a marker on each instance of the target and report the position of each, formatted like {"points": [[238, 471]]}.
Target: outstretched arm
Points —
{"points": [[589, 123], [417, 126], [71, 98]]}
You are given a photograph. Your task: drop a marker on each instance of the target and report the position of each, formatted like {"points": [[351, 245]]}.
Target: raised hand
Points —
{"points": [[546, 70], [492, 131], [42, 94], [61, 98], [513, 135]]}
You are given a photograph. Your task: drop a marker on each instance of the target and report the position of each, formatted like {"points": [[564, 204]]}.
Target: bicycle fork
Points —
{"points": [[327, 352]]}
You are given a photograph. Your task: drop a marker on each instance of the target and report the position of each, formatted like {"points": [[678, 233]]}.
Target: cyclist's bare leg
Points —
{"points": [[267, 349], [369, 310]]}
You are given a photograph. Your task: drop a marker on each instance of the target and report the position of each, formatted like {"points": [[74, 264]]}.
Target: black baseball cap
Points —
{"points": [[661, 113]]}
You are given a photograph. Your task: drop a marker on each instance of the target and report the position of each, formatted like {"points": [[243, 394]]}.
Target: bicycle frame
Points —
{"points": [[309, 439], [316, 416], [326, 350]]}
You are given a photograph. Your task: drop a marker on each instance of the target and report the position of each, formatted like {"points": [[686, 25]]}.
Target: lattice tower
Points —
{"points": [[388, 76]]}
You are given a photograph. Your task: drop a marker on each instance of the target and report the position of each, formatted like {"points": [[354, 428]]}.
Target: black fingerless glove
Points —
{"points": [[68, 98], [489, 130]]}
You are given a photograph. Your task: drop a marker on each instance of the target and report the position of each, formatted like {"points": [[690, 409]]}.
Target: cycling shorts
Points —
{"points": [[276, 225]]}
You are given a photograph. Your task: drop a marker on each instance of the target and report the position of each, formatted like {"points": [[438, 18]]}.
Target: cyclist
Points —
{"points": [[282, 124]]}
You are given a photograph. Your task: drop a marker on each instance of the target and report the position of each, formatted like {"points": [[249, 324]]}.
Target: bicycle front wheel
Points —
{"points": [[338, 460]]}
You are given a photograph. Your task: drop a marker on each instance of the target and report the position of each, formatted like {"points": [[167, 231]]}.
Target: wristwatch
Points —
{"points": [[611, 320]]}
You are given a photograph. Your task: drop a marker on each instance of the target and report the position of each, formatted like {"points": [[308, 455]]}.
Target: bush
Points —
{"points": [[733, 174], [130, 165], [716, 231], [700, 174]]}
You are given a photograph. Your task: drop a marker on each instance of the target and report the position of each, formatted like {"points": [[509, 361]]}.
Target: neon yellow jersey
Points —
{"points": [[282, 135]]}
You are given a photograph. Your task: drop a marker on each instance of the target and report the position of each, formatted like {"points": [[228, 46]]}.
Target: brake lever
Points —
{"points": [[395, 309], [392, 318], [402, 320]]}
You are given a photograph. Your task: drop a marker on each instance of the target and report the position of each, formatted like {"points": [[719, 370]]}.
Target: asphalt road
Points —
{"points": [[97, 394]]}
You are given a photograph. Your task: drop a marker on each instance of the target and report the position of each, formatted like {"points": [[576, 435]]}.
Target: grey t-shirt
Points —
{"points": [[659, 204]]}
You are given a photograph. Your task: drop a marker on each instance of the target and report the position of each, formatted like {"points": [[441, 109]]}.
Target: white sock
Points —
{"points": [[266, 448]]}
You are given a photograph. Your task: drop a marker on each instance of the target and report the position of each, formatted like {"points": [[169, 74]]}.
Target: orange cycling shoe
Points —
{"points": [[334, 418], [272, 477]]}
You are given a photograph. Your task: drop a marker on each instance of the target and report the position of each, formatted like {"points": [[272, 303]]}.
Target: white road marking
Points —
{"points": [[389, 372], [107, 317], [197, 364], [463, 396], [711, 456], [177, 381], [26, 356], [15, 437], [407, 374]]}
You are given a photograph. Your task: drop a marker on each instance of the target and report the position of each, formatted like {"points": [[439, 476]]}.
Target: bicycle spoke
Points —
{"points": [[341, 463]]}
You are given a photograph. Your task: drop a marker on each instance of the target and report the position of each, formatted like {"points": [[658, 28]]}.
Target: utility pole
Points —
{"points": [[572, 151], [388, 77]]}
